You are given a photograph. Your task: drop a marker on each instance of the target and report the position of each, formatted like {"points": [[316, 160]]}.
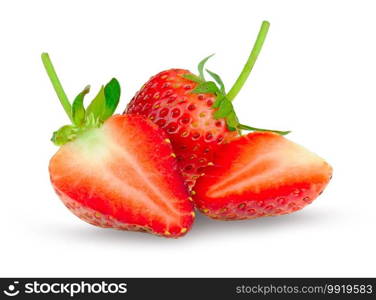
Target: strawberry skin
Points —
{"points": [[123, 175], [260, 174], [187, 118]]}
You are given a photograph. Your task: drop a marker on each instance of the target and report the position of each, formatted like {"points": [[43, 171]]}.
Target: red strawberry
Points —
{"points": [[187, 118], [197, 115], [118, 171], [260, 174]]}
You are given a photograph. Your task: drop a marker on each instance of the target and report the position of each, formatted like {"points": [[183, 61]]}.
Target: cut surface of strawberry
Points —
{"points": [[125, 172], [260, 174], [117, 171]]}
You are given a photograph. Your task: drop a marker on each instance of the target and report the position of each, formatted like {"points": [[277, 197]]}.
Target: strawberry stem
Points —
{"points": [[57, 85], [250, 62]]}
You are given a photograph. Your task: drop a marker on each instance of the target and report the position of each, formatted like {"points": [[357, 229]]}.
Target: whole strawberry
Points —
{"points": [[197, 115]]}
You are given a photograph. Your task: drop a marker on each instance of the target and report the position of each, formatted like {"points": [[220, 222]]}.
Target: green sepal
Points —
{"points": [[224, 109], [218, 80], [65, 134], [192, 77], [207, 87], [91, 121], [112, 97], [218, 101], [100, 109], [105, 102], [95, 108], [222, 104], [232, 121], [78, 109], [201, 66]]}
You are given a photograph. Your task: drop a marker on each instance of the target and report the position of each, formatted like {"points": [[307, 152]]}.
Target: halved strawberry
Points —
{"points": [[260, 174], [118, 171]]}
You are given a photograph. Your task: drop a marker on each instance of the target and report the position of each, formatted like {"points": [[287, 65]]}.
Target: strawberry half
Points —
{"points": [[117, 171], [197, 115], [260, 174]]}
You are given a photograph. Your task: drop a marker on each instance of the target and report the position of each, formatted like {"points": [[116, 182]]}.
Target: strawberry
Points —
{"points": [[260, 174], [197, 115], [186, 117], [117, 171]]}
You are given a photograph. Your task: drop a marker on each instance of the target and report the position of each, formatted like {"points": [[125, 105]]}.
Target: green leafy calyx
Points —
{"points": [[223, 103], [99, 110]]}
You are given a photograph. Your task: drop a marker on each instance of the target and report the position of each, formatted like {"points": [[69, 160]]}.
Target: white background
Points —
{"points": [[316, 76]]}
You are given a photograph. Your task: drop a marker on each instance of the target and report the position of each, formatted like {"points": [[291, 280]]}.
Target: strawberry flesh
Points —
{"points": [[260, 174]]}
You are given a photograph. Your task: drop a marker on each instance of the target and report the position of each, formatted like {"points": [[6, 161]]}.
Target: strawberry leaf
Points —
{"points": [[192, 77], [112, 97], [224, 109], [232, 121], [105, 102], [78, 109], [201, 66], [91, 121], [207, 87], [96, 106], [218, 101], [218, 80]]}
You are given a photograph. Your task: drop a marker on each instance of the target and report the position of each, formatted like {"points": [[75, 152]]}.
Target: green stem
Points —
{"points": [[250, 62], [57, 85]]}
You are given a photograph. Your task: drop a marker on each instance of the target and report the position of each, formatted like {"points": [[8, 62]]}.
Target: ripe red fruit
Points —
{"points": [[118, 171], [260, 174], [187, 118], [197, 115]]}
